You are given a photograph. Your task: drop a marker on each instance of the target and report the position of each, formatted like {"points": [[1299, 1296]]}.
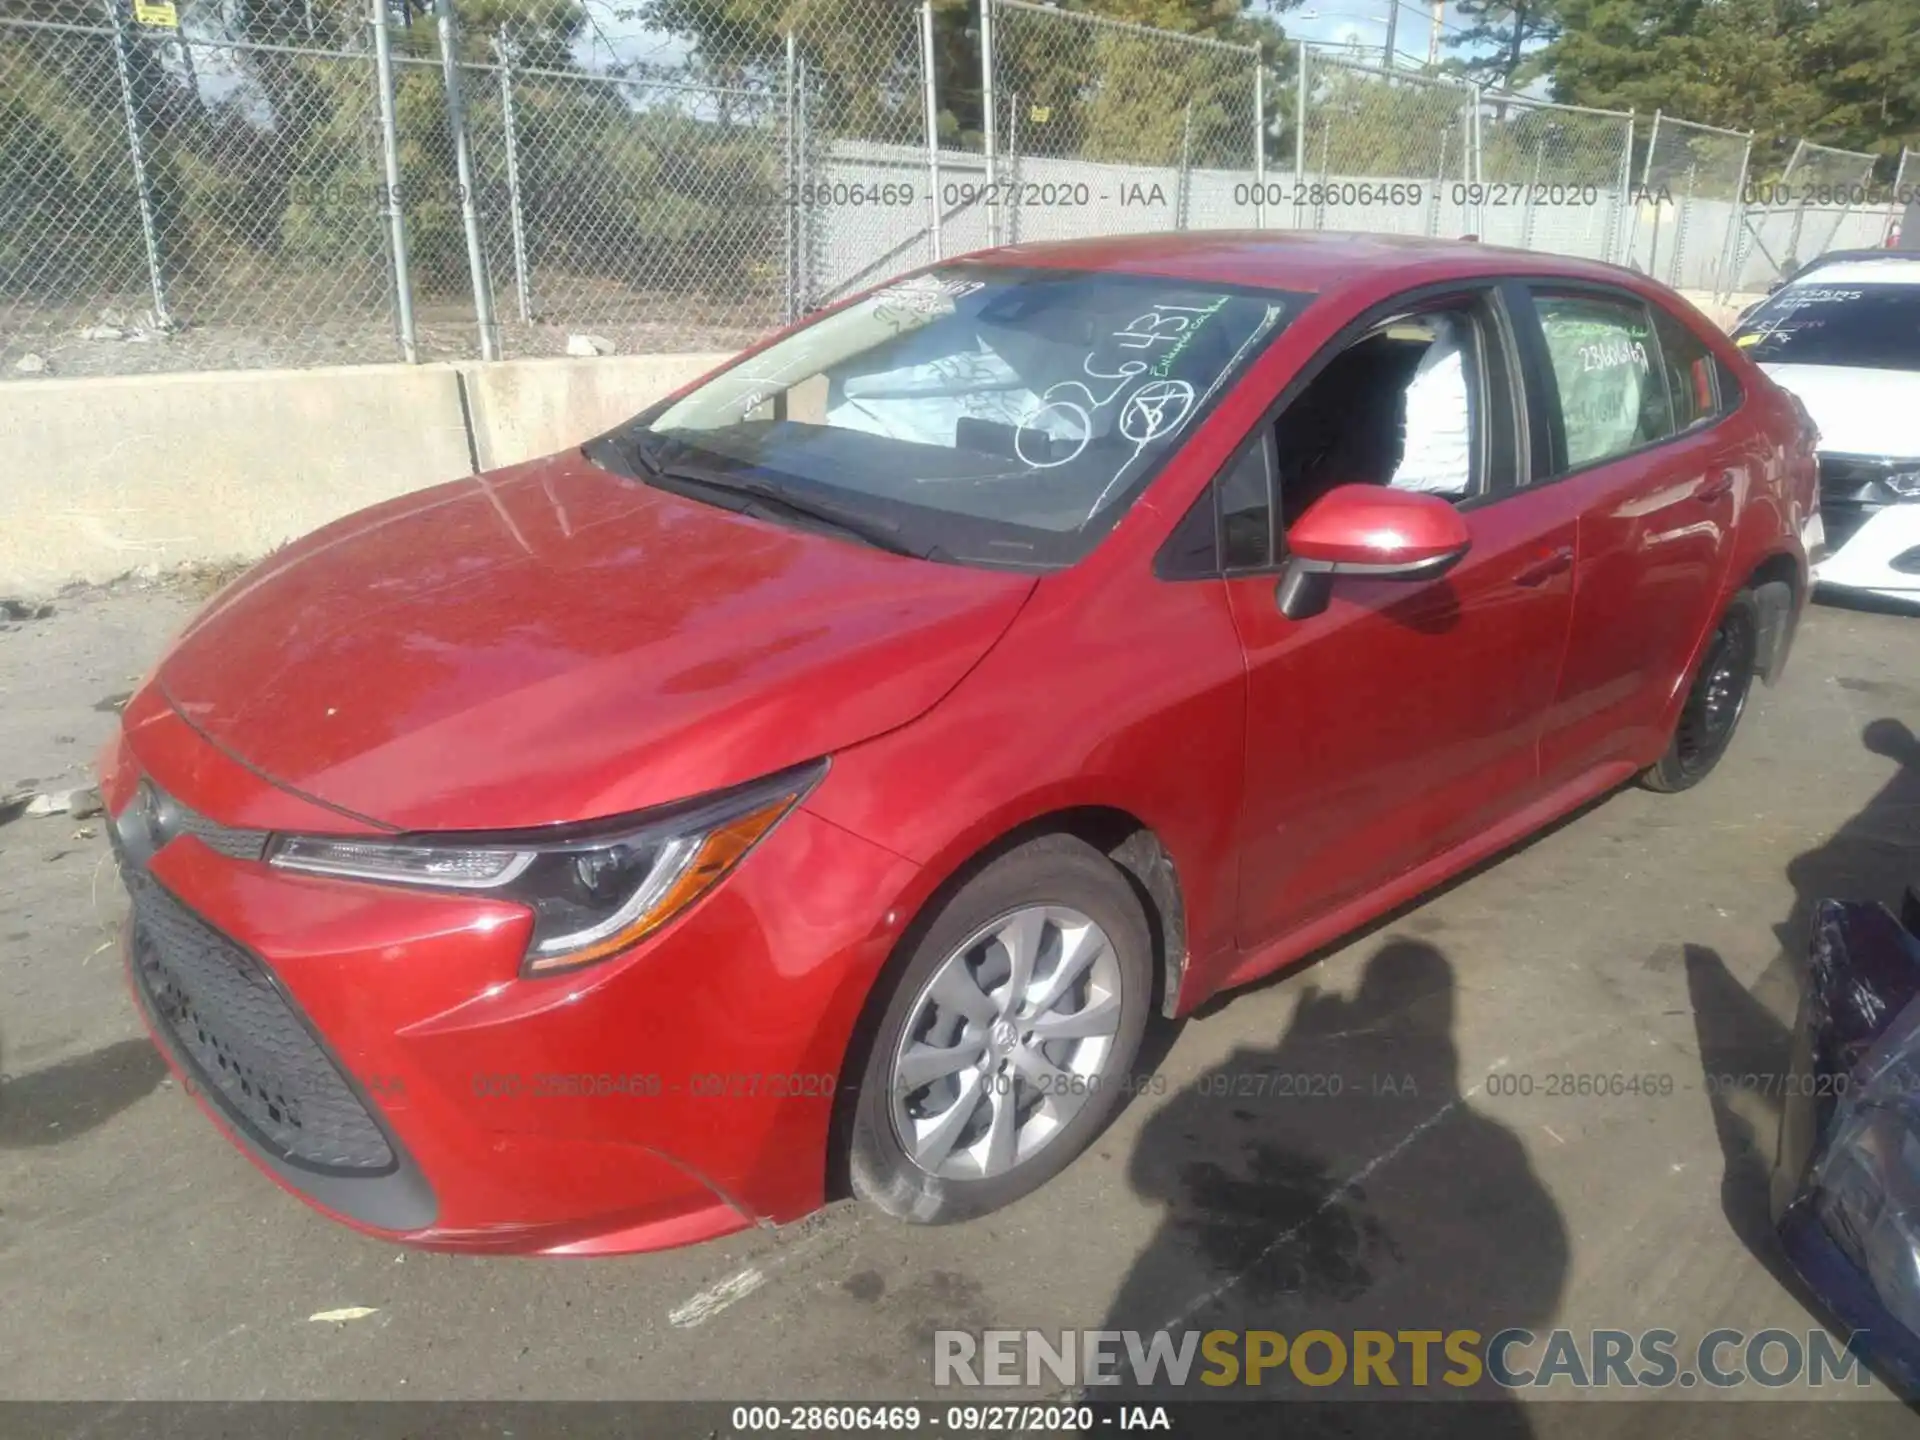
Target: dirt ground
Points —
{"points": [[1649, 935]]}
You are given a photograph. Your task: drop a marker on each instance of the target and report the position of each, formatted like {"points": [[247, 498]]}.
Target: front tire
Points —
{"points": [[1008, 1037], [1715, 702]]}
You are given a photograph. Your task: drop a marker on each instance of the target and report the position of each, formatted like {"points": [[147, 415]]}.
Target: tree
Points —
{"points": [[1740, 64], [1497, 36], [1865, 57]]}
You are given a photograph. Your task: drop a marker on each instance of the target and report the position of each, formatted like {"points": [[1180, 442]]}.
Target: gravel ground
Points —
{"points": [[1656, 935]]}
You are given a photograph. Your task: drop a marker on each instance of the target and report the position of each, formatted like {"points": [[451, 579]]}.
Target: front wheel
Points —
{"points": [[1716, 701], [1008, 1038]]}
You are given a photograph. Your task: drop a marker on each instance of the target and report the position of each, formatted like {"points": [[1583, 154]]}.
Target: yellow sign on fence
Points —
{"points": [[158, 13]]}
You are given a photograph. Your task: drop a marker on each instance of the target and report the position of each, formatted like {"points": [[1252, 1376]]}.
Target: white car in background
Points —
{"points": [[1844, 336]]}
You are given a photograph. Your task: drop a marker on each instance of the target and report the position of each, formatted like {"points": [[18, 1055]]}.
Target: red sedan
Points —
{"points": [[816, 782]]}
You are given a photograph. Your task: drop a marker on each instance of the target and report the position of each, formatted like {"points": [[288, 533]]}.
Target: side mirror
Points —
{"points": [[1372, 531]]}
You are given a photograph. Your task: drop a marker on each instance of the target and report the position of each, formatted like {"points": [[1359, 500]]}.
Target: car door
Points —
{"points": [[1404, 718], [1639, 447]]}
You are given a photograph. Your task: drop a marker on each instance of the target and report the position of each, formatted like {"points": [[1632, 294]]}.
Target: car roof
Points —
{"points": [[1320, 261], [1856, 268]]}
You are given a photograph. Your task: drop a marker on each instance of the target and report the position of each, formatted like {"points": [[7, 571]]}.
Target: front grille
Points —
{"points": [[222, 839], [250, 1049]]}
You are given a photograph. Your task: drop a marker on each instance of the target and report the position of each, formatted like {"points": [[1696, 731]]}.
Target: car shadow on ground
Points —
{"points": [[61, 1102], [1338, 1180], [1744, 1043]]}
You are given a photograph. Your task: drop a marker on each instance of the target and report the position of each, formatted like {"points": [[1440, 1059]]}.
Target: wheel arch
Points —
{"points": [[1134, 848], [1779, 586]]}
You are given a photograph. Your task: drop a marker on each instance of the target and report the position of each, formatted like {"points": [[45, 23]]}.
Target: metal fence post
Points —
{"points": [[1799, 210], [808, 224], [1183, 191], [1526, 215], [1646, 180], [1737, 217], [1474, 193], [1300, 136], [931, 103], [792, 197], [463, 169], [137, 152], [1615, 245], [1259, 141], [1012, 155], [522, 291], [987, 105], [390, 174]]}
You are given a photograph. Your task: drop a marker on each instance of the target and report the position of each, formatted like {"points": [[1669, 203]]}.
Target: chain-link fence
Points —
{"points": [[1802, 214], [173, 197], [1381, 150], [225, 183], [1099, 127], [1684, 218], [1553, 177]]}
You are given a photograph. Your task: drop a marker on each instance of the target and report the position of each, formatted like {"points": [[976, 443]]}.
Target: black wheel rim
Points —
{"points": [[1718, 696]]}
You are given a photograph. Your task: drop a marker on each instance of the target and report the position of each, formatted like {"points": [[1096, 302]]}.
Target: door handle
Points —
{"points": [[1721, 484], [1546, 567]]}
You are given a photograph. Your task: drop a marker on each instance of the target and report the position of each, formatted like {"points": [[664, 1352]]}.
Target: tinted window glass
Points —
{"points": [[1874, 326], [1601, 352], [1246, 511], [1730, 391], [1193, 549], [1691, 372], [1401, 406], [1005, 415]]}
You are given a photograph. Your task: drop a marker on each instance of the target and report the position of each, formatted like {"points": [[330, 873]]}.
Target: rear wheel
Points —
{"points": [[1005, 1043], [1716, 701]]}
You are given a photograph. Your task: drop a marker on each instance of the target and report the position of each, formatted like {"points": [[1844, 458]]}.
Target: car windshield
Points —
{"points": [[1869, 326], [974, 413]]}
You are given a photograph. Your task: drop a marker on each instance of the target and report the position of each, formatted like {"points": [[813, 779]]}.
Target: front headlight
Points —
{"points": [[594, 890]]}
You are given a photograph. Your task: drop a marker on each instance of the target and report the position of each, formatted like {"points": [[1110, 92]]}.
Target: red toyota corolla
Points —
{"points": [[819, 779]]}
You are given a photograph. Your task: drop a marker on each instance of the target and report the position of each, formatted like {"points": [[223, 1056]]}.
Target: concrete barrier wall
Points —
{"points": [[102, 476]]}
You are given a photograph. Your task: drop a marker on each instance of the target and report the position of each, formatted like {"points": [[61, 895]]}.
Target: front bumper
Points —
{"points": [[376, 1052]]}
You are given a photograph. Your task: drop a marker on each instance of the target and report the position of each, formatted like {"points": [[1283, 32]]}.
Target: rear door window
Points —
{"points": [[1612, 399], [1692, 373]]}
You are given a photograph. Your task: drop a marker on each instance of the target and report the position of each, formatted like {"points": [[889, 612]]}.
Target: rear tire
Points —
{"points": [[1715, 701], [1008, 1036]]}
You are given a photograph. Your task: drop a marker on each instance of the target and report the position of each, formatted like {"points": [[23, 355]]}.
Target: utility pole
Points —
{"points": [[1433, 40], [1393, 25]]}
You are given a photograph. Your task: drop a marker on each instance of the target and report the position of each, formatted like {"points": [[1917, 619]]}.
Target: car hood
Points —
{"points": [[553, 642], [1859, 411]]}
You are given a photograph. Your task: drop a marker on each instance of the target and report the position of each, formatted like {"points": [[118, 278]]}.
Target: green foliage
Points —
{"points": [[1358, 124], [69, 218], [1845, 72], [1866, 55], [1494, 37], [613, 191]]}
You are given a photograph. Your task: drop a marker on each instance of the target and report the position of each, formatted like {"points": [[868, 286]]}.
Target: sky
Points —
{"points": [[1364, 23]]}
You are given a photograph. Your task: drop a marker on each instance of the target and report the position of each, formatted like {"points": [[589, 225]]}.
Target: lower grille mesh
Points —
{"points": [[254, 1055]]}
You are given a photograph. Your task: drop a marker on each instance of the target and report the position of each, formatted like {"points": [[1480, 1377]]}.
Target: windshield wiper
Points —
{"points": [[757, 494]]}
